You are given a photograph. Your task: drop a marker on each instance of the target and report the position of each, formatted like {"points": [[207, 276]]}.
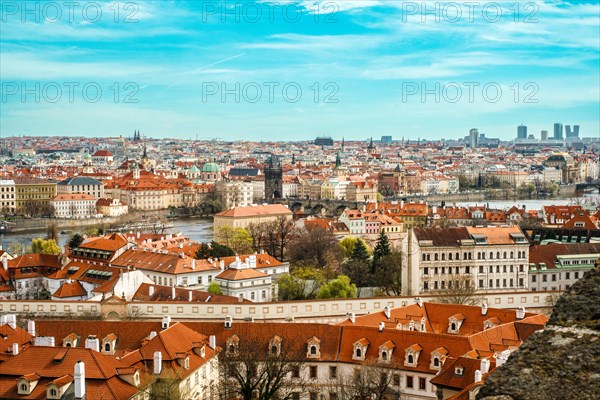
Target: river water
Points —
{"points": [[198, 230]]}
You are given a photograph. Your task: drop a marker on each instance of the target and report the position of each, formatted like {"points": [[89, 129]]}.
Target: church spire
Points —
{"points": [[343, 144], [338, 161]]}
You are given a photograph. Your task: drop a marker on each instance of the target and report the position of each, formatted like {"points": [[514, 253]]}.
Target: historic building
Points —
{"points": [[273, 179], [79, 184]]}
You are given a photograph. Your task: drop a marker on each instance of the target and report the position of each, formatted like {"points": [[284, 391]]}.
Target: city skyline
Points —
{"points": [[363, 68]]}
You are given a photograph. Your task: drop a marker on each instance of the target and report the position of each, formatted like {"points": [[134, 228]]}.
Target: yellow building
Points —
{"points": [[242, 217], [33, 194]]}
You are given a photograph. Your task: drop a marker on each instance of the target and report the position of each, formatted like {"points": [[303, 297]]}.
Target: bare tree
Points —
{"points": [[252, 368], [460, 291], [372, 380]]}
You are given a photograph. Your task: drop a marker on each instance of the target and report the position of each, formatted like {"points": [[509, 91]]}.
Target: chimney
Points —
{"points": [[44, 341], [157, 362], [212, 342], [166, 321], [351, 316], [138, 235], [11, 320], [92, 342], [222, 265], [5, 262], [484, 309], [31, 327], [79, 377], [478, 376], [520, 312], [173, 293], [485, 366], [193, 263], [190, 296], [152, 335], [252, 261], [381, 326], [151, 291], [502, 357], [419, 301], [386, 311], [15, 349]]}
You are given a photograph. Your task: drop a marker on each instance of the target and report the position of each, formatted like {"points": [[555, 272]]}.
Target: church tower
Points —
{"points": [[273, 179]]}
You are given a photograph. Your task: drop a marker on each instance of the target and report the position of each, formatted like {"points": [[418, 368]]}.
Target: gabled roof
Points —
{"points": [[255, 211]]}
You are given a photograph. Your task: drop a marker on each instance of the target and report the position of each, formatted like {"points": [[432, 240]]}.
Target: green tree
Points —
{"points": [[382, 249], [290, 288], [75, 240], [241, 241], [347, 245], [388, 275], [215, 250], [340, 288], [360, 251], [358, 271], [300, 284], [42, 246], [214, 288]]}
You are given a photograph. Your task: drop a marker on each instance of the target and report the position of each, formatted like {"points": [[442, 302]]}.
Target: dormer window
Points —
{"points": [[314, 347], [23, 388], [109, 344], [107, 347], [455, 322], [411, 357], [458, 371], [360, 349], [385, 351], [232, 345], [275, 345], [437, 358]]}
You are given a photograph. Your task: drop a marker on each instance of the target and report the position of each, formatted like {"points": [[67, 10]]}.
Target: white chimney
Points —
{"points": [[478, 376], [2, 320], [351, 316], [152, 335], [520, 312], [92, 342], [252, 261], [381, 326], [173, 294], [485, 366], [212, 342], [502, 357], [419, 301], [79, 376], [151, 291], [484, 309], [15, 349], [193, 263], [11, 320], [5, 262], [157, 362], [166, 321], [31, 327], [190, 296], [386, 311], [138, 235]]}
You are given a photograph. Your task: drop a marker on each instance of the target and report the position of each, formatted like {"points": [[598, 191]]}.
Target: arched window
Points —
{"points": [[384, 355], [504, 254], [491, 255], [479, 255], [498, 254], [313, 350], [68, 344], [443, 257], [358, 353], [512, 254], [23, 387], [450, 256], [453, 326], [274, 349], [106, 346], [423, 257], [436, 362], [232, 348], [411, 359], [53, 392], [458, 256]]}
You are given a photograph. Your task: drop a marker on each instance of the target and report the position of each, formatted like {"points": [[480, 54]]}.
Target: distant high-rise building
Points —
{"points": [[544, 135], [572, 133], [386, 139], [558, 131], [521, 132], [473, 138]]}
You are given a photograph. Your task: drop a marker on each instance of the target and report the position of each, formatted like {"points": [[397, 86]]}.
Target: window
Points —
{"points": [[396, 379], [544, 278], [481, 269], [23, 387], [411, 359], [481, 283], [333, 372], [436, 362], [313, 350], [358, 353], [107, 347], [312, 371], [409, 382], [384, 355], [533, 278], [422, 383], [53, 392], [568, 275], [553, 277], [520, 281], [426, 271]]}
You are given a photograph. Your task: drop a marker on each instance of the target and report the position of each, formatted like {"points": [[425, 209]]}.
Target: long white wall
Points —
{"points": [[324, 311]]}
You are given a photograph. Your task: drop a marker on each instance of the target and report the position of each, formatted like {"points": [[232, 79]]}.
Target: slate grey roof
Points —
{"points": [[80, 180]]}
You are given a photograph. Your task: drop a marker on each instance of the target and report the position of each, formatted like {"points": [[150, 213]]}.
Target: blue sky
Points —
{"points": [[234, 70]]}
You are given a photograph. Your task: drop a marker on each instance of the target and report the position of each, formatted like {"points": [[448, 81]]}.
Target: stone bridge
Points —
{"points": [[580, 188], [321, 208]]}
